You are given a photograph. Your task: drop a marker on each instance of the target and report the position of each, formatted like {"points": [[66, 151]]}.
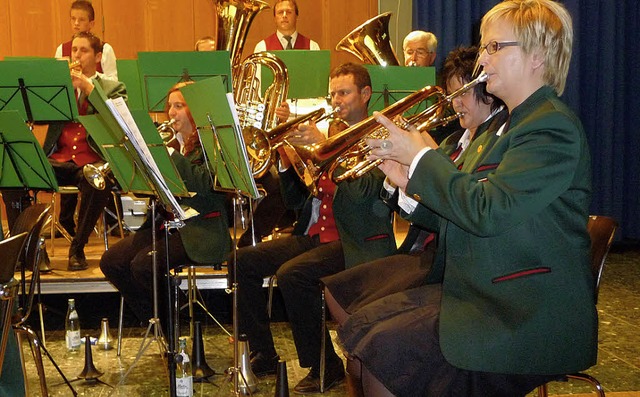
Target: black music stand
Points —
{"points": [[141, 164], [213, 111]]}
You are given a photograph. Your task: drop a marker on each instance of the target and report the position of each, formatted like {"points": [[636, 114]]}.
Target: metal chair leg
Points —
{"points": [[323, 340], [120, 315]]}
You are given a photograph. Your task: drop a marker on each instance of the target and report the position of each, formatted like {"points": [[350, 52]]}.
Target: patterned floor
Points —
{"points": [[618, 366]]}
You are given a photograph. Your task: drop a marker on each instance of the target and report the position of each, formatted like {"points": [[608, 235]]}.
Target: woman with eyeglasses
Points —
{"points": [[509, 304]]}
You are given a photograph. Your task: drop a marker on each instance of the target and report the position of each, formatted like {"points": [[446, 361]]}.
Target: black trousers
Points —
{"points": [[298, 263], [128, 265], [92, 203]]}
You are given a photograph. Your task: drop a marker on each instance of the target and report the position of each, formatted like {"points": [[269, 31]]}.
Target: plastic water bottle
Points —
{"points": [[72, 327], [184, 377]]}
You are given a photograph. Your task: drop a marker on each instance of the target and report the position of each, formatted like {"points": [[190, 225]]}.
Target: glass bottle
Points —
{"points": [[184, 377], [72, 327]]}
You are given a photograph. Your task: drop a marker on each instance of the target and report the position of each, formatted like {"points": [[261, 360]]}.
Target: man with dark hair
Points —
{"points": [[344, 225]]}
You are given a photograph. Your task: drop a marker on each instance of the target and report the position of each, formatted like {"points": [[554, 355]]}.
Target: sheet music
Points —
{"points": [[123, 116], [238, 131]]}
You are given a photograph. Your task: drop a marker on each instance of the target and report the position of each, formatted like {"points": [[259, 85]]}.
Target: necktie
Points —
{"points": [[289, 46]]}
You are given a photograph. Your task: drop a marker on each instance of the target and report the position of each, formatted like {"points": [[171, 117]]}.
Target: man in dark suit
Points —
{"points": [[69, 148], [346, 224]]}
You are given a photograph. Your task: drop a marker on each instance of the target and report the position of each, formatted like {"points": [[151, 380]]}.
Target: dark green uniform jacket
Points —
{"points": [[517, 287]]}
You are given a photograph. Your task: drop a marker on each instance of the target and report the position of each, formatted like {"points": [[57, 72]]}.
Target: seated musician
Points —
{"points": [[409, 267], [346, 224], [204, 239], [514, 273], [69, 148], [419, 48]]}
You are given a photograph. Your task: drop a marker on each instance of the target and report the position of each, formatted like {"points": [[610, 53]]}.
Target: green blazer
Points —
{"points": [[112, 89], [362, 218], [515, 272], [206, 236]]}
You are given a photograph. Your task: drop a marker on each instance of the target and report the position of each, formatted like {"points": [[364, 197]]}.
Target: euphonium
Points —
{"points": [[310, 161], [355, 160], [370, 42], [258, 115]]}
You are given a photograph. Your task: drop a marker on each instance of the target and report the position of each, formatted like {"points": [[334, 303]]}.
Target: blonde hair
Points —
{"points": [[539, 25]]}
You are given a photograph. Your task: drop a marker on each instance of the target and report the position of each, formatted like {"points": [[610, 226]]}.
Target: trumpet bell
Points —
{"points": [[370, 42], [96, 176]]}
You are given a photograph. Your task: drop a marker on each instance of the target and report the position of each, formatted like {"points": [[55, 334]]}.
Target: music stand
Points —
{"points": [[213, 111], [308, 72], [159, 71], [129, 74], [146, 168], [392, 83], [39, 89], [23, 165]]}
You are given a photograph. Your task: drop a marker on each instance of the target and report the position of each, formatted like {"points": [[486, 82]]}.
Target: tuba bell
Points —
{"points": [[256, 114], [370, 42]]}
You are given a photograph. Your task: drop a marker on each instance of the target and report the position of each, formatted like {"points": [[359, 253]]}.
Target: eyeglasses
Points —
{"points": [[420, 52], [494, 46]]}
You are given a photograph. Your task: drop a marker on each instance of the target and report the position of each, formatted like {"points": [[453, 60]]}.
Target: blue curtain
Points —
{"points": [[602, 86]]}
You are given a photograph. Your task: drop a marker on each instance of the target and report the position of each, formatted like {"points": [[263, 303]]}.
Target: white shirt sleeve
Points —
{"points": [[109, 67], [405, 202], [261, 46], [58, 52]]}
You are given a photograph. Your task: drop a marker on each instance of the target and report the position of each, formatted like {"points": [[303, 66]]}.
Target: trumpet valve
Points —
{"points": [[74, 65]]}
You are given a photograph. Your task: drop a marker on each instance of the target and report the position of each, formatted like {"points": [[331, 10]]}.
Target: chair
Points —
{"points": [[56, 226], [601, 229], [10, 251], [29, 261]]}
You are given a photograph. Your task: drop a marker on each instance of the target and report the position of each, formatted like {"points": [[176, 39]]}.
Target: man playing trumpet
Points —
{"points": [[345, 225], [69, 148]]}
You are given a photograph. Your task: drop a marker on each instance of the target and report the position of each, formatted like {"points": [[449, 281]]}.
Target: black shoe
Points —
{"points": [[334, 375], [264, 363], [77, 262]]}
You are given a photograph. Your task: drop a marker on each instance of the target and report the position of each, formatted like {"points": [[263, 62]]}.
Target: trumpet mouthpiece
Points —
{"points": [[74, 65], [482, 77]]}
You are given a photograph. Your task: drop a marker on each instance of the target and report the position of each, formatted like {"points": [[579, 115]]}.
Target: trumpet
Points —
{"points": [[167, 132], [310, 161], [262, 145], [355, 160], [75, 65]]}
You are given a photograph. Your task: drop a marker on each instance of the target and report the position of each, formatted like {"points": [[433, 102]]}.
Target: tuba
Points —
{"points": [[355, 160], [256, 115], [370, 42], [310, 161]]}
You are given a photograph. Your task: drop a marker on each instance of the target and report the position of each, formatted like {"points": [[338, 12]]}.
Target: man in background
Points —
{"points": [[419, 48], [286, 37]]}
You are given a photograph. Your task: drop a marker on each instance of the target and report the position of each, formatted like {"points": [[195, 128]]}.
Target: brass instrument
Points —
{"points": [[168, 133], [310, 161], [370, 42], [97, 176], [75, 65], [234, 19], [256, 115], [355, 160]]}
